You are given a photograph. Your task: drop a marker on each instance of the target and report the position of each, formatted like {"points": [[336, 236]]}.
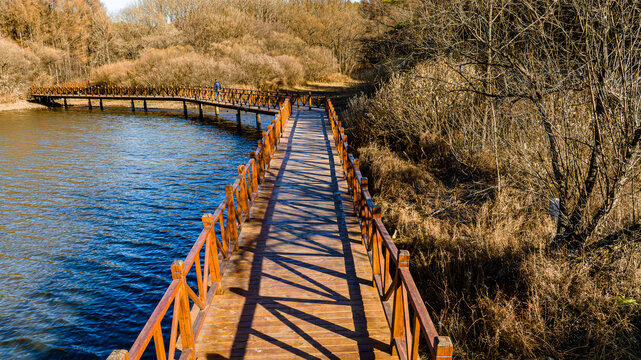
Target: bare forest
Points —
{"points": [[503, 144], [255, 43]]}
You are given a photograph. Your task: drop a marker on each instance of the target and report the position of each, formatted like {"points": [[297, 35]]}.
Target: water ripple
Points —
{"points": [[93, 208]]}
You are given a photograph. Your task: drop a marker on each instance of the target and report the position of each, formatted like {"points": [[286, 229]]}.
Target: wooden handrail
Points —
{"points": [[219, 238], [251, 98], [404, 308]]}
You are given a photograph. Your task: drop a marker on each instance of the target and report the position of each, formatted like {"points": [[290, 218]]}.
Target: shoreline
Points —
{"points": [[20, 105]]}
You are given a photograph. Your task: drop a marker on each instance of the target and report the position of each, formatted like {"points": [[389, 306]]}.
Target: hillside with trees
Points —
{"points": [[262, 43]]}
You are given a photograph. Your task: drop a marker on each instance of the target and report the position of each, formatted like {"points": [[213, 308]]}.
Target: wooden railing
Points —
{"points": [[240, 97], [404, 308], [208, 257]]}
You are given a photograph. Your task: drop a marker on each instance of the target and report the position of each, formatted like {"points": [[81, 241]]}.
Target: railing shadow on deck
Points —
{"points": [[208, 257], [404, 308], [278, 306]]}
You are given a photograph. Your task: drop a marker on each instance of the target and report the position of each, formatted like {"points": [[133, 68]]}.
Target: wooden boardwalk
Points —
{"points": [[307, 278], [301, 284], [256, 101]]}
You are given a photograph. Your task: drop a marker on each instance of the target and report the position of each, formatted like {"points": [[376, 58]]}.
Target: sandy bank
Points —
{"points": [[19, 105]]}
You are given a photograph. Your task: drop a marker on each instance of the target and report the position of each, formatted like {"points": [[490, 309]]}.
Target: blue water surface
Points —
{"points": [[94, 206]]}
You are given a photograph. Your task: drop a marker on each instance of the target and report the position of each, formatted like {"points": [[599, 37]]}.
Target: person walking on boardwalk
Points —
{"points": [[217, 88]]}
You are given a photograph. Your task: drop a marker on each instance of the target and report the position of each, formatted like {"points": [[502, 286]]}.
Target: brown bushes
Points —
{"points": [[266, 43], [269, 42], [20, 67], [17, 68], [482, 256], [181, 65]]}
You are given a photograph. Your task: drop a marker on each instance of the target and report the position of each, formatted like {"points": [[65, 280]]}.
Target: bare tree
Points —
{"points": [[563, 74]]}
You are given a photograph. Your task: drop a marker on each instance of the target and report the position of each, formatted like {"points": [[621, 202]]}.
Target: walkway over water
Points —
{"points": [[301, 285], [257, 101], [294, 263]]}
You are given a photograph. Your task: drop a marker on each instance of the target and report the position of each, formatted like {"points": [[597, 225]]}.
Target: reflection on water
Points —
{"points": [[93, 208]]}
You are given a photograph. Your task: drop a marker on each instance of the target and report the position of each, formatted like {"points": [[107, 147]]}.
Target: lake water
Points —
{"points": [[94, 206]]}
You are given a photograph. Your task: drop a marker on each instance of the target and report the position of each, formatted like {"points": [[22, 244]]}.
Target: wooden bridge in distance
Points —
{"points": [[294, 263], [256, 101]]}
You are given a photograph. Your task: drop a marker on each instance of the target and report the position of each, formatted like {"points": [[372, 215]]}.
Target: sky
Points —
{"points": [[113, 6]]}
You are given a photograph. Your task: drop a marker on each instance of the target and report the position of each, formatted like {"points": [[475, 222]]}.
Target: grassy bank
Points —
{"points": [[19, 105], [467, 206], [490, 117]]}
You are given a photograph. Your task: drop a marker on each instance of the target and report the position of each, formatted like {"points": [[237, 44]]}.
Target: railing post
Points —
{"points": [[211, 257], [353, 180], [242, 189], [232, 230], [184, 316], [398, 308], [363, 212], [275, 132], [348, 167], [259, 161], [267, 147], [119, 355], [443, 348], [254, 173], [374, 243]]}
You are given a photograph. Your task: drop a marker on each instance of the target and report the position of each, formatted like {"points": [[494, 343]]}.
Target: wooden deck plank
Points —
{"points": [[301, 284]]}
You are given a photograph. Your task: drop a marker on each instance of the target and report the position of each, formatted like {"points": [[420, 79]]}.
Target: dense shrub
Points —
{"points": [[18, 67], [181, 65]]}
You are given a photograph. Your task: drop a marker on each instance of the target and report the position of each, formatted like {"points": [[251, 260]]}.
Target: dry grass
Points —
{"points": [[481, 256]]}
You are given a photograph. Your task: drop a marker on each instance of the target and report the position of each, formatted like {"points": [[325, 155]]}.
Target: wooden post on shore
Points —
{"points": [[185, 109], [133, 108], [200, 111], [257, 120], [89, 100], [144, 103]]}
